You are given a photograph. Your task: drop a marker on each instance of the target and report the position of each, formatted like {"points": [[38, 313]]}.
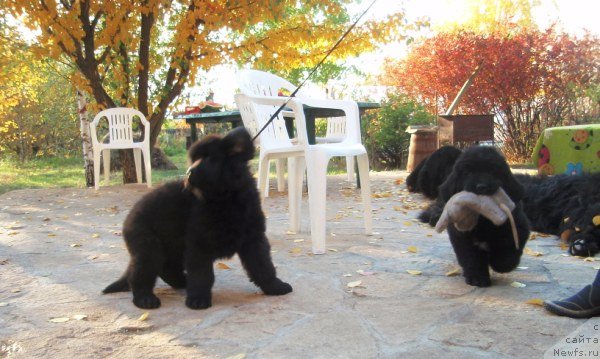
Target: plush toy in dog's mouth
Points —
{"points": [[463, 210]]}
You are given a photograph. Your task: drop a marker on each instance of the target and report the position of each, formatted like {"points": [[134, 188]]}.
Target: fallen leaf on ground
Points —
{"points": [[455, 271], [364, 272], [95, 235], [412, 249], [518, 285], [332, 249], [354, 284], [295, 250], [589, 259], [347, 275], [535, 301], [596, 220], [144, 316], [80, 316], [413, 272], [237, 356], [59, 320], [51, 235], [221, 265], [532, 253], [75, 245], [298, 240]]}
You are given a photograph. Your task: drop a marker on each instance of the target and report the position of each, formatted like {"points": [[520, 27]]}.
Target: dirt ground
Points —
{"points": [[391, 295]]}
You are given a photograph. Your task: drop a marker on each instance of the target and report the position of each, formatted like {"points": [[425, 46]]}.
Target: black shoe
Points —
{"points": [[584, 304]]}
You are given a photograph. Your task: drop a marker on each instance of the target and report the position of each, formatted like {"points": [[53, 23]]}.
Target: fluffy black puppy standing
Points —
{"points": [[565, 205], [483, 170], [433, 171], [177, 231]]}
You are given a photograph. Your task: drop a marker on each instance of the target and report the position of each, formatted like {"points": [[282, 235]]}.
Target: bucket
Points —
{"points": [[423, 142]]}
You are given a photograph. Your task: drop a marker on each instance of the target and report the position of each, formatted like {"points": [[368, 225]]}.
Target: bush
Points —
{"points": [[384, 131]]}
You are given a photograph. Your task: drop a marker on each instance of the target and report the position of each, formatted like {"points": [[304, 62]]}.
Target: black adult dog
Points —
{"points": [[432, 171], [565, 205], [179, 229], [483, 170]]}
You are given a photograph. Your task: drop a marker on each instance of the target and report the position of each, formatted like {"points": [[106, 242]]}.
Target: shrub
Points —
{"points": [[384, 131]]}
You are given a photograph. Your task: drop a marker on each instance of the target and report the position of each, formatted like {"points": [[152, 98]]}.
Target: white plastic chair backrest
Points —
{"points": [[336, 127], [255, 116], [260, 83], [120, 126]]}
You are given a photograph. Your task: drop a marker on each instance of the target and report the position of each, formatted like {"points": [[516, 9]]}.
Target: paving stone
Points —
{"points": [[390, 314]]}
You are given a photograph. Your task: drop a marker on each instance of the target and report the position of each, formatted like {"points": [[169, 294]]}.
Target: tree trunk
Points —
{"points": [[128, 163], [84, 127]]}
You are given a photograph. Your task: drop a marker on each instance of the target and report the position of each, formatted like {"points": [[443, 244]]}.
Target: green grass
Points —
{"points": [[61, 172], [56, 172]]}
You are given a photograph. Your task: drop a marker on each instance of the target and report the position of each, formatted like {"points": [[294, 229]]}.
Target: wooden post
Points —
{"points": [[462, 91], [84, 128]]}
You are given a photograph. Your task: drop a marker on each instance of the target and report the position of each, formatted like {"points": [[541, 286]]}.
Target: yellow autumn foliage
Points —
{"points": [[143, 53]]}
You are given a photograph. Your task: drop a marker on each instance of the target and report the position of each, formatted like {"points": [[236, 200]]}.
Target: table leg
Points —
{"points": [[193, 132], [310, 129]]}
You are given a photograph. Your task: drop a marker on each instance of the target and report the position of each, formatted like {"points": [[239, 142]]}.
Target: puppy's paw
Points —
{"points": [[478, 280], [276, 287], [198, 302], [149, 301]]}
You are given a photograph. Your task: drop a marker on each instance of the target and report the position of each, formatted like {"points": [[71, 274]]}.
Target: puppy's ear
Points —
{"points": [[450, 187], [239, 143]]}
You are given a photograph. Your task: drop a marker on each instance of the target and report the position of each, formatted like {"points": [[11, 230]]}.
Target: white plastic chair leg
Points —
{"points": [[148, 166], [296, 168], [365, 191], [317, 193], [263, 177], [350, 168], [280, 168], [138, 164], [106, 160], [96, 168]]}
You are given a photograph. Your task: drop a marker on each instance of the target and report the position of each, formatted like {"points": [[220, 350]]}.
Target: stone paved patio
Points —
{"points": [[60, 247]]}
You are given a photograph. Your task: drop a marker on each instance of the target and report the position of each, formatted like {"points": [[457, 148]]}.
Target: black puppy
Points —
{"points": [[483, 170], [432, 171], [566, 206], [178, 230]]}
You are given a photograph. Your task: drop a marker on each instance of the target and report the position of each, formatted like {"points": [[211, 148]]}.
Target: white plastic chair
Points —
{"points": [[260, 83], [315, 160], [120, 136], [275, 144]]}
